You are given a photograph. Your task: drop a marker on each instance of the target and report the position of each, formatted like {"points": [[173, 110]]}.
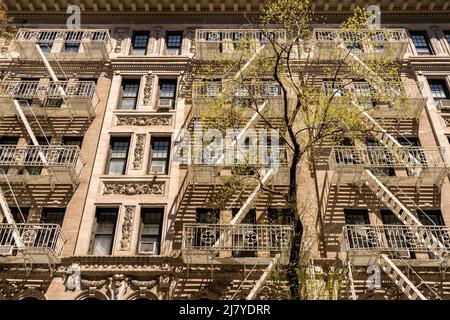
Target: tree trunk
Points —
{"points": [[294, 257]]}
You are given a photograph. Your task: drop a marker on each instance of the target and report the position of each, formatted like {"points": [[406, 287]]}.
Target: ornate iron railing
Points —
{"points": [[31, 89], [378, 35], [35, 238], [394, 238], [55, 156], [240, 237], [211, 89], [380, 157], [69, 36], [236, 35]]}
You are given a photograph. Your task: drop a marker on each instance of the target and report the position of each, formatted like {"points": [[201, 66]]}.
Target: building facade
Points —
{"points": [[105, 209]]}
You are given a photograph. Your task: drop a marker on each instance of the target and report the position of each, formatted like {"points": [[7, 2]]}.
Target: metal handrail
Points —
{"points": [[235, 35], [35, 237], [211, 89], [394, 238], [241, 237], [337, 35], [69, 36], [55, 155], [380, 157]]}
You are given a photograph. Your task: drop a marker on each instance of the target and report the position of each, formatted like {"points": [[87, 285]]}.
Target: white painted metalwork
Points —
{"points": [[55, 155], [237, 237], [43, 243], [95, 43], [394, 238], [259, 284], [380, 157], [400, 279]]}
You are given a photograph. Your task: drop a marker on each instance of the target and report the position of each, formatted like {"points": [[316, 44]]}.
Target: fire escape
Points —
{"points": [[44, 173], [391, 247], [215, 243]]}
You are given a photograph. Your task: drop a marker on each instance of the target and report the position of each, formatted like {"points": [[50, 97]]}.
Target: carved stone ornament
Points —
{"points": [[121, 34], [93, 283], [127, 227], [133, 188], [143, 120], [136, 284], [148, 89], [139, 151]]}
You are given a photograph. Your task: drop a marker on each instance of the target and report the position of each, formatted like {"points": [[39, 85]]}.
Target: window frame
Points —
{"points": [[445, 89], [158, 236], [173, 96], [95, 232], [419, 48], [167, 159], [141, 47], [118, 138], [172, 47]]}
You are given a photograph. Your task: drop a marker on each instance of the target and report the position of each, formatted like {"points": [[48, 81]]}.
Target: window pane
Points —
{"points": [[151, 223], [118, 155], [438, 89], [130, 92], [102, 245], [421, 42], [167, 89], [104, 233], [140, 41], [160, 155]]}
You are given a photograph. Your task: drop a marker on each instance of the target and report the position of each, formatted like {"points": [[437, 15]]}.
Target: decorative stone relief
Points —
{"points": [[121, 34], [136, 284], [92, 283], [149, 78], [127, 227], [146, 120], [139, 151], [133, 188]]}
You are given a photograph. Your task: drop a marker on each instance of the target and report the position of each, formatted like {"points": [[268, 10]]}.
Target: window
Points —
{"points": [[447, 36], [105, 225], [72, 141], [7, 154], [397, 237], [438, 89], [53, 215], [173, 42], [45, 41], [129, 94], [167, 93], [160, 155], [20, 215], [34, 157], [72, 41], [421, 42], [434, 217], [246, 238], [140, 41], [118, 155], [150, 234], [380, 156], [333, 88], [207, 215], [358, 235], [414, 149], [363, 92]]}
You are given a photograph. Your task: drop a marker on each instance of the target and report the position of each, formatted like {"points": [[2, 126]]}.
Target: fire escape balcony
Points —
{"points": [[64, 44], [229, 44], [44, 99], [385, 43], [408, 166], [231, 244], [40, 171], [364, 243], [39, 243], [244, 97], [405, 102]]}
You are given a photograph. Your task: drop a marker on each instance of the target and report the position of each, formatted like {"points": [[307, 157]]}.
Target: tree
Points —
{"points": [[309, 114]]}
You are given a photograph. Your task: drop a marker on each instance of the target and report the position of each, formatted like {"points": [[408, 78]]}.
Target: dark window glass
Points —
{"points": [[130, 93], [421, 42], [358, 237], [53, 215], [173, 42], [105, 225], [151, 225], [45, 41], [118, 155], [72, 42], [140, 41], [438, 89], [380, 155], [247, 238], [33, 156], [20, 215], [447, 36]]}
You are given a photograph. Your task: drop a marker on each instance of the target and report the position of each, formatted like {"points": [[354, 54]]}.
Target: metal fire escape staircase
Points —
{"points": [[237, 219], [387, 197], [3, 202]]}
